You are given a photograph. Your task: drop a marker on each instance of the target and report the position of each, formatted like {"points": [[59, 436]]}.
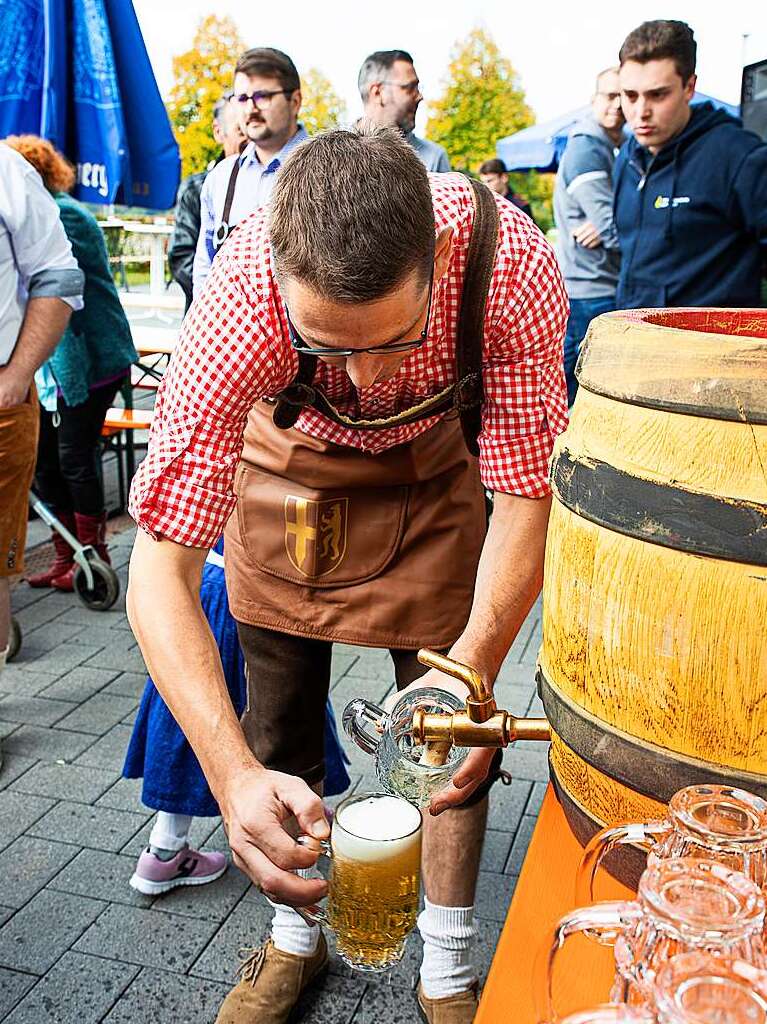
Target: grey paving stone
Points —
{"points": [[34, 615], [17, 813], [514, 674], [171, 999], [79, 684], [530, 760], [97, 714], [6, 728], [125, 661], [24, 683], [49, 635], [494, 892], [47, 744], [332, 1001], [495, 850], [520, 844], [507, 804], [78, 988], [535, 708], [37, 936], [98, 633], [102, 875], [127, 684], [513, 698], [61, 659], [65, 781], [33, 709], [148, 937], [5, 913], [80, 615], [212, 902], [387, 1003], [14, 766], [125, 795], [109, 751], [13, 986], [217, 840], [23, 597], [98, 828], [27, 865], [536, 798], [248, 925]]}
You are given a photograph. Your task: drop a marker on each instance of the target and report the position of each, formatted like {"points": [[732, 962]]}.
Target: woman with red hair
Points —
{"points": [[89, 365]]}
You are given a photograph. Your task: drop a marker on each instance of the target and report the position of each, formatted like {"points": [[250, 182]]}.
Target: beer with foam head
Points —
{"points": [[374, 881]]}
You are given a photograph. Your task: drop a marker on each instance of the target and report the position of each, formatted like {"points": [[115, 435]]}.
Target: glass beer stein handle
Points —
{"points": [[647, 835], [359, 716], [603, 922], [314, 913]]}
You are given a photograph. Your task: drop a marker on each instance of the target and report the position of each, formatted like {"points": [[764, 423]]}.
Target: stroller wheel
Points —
{"points": [[106, 586], [14, 640]]}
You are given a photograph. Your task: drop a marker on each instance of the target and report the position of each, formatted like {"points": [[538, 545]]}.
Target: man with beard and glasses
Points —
{"points": [[391, 92], [267, 97]]}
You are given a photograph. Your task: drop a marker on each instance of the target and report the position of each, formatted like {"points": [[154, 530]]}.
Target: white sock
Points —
{"points": [[448, 937], [170, 832], [290, 932]]}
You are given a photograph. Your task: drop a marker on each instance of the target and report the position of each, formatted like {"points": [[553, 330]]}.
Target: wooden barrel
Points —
{"points": [[653, 667]]}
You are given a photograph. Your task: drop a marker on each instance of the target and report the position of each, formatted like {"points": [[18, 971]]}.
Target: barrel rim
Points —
{"points": [[641, 765]]}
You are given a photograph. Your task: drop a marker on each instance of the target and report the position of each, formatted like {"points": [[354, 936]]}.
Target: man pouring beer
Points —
{"points": [[357, 345]]}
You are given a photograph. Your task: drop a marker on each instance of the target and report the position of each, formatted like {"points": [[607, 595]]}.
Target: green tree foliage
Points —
{"points": [[321, 107], [482, 101], [538, 190], [201, 76]]}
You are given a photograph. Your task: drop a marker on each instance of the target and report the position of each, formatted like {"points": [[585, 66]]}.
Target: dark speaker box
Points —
{"points": [[753, 98]]}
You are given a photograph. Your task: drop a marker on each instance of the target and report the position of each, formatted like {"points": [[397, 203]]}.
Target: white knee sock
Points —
{"points": [[290, 932], [448, 937], [169, 832]]}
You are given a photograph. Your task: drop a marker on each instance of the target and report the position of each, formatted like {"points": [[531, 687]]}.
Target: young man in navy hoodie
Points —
{"points": [[690, 186]]}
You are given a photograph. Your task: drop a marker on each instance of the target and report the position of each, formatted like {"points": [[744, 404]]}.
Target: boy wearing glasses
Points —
{"points": [[391, 93], [359, 344], [267, 98]]}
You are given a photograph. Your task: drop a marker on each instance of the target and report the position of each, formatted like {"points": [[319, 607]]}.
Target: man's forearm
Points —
{"points": [[182, 657], [45, 320], [509, 579]]}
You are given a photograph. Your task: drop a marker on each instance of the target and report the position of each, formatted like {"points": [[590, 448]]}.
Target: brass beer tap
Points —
{"points": [[482, 724]]}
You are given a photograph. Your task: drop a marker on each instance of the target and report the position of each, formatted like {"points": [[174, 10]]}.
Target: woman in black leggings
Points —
{"points": [[90, 363]]}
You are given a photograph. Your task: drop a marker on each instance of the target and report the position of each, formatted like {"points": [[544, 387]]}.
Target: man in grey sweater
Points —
{"points": [[588, 249]]}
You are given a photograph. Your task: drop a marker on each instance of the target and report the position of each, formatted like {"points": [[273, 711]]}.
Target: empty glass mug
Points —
{"points": [[682, 905], [714, 822], [402, 766], [372, 863], [612, 1013], [700, 988]]}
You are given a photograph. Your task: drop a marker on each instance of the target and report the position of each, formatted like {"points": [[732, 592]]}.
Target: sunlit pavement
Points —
{"points": [[76, 943]]}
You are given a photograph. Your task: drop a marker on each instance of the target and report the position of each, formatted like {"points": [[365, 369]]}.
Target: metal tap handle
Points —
{"points": [[457, 670]]}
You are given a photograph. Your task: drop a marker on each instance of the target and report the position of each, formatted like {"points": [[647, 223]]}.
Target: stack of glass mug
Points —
{"points": [[690, 949]]}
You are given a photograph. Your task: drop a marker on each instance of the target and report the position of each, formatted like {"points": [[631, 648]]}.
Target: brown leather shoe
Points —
{"points": [[270, 983], [457, 1009]]}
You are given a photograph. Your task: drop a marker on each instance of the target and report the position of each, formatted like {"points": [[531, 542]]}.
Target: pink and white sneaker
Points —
{"points": [[189, 867]]}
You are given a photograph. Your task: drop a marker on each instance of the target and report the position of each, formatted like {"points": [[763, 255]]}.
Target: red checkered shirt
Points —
{"points": [[234, 349]]}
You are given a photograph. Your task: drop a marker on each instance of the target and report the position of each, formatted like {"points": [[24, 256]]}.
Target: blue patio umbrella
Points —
{"points": [[77, 72], [540, 147]]}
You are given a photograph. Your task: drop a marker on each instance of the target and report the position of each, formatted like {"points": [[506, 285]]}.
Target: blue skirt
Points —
{"points": [[159, 752]]}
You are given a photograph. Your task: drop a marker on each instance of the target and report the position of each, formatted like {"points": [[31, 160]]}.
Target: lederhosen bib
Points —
{"points": [[334, 543]]}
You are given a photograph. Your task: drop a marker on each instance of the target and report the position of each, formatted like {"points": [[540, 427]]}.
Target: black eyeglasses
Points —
{"points": [[300, 345], [262, 98]]}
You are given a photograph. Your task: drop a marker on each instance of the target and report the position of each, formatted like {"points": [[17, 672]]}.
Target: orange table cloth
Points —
{"points": [[545, 891]]}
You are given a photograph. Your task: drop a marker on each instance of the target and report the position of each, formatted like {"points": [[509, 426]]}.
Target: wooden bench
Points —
{"points": [[118, 423]]}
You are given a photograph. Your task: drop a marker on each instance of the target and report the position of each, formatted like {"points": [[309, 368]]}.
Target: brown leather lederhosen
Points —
{"points": [[380, 550]]}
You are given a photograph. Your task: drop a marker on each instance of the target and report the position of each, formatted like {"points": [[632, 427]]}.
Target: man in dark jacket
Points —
{"points": [[494, 174], [183, 242], [690, 187]]}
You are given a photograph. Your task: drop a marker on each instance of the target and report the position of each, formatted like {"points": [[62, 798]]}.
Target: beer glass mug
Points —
{"points": [[374, 859], [612, 1013], [698, 988], [714, 822], [400, 764], [682, 905]]}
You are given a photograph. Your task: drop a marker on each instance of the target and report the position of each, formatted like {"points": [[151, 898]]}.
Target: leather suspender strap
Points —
{"points": [[471, 322], [292, 399], [223, 230]]}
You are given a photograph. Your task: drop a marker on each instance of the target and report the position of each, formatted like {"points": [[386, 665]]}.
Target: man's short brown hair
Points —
{"points": [[269, 63], [351, 214], [661, 40], [494, 166]]}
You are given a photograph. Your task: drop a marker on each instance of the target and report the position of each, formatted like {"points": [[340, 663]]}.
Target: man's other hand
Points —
{"points": [[13, 388], [587, 236]]}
